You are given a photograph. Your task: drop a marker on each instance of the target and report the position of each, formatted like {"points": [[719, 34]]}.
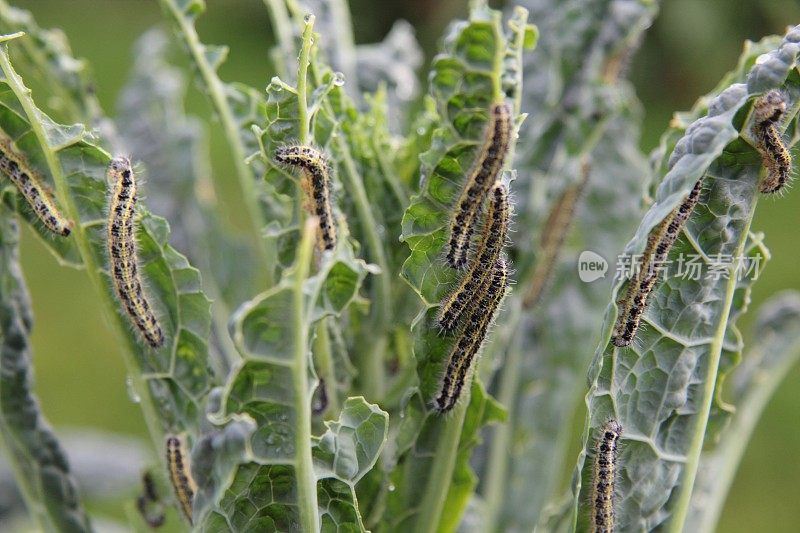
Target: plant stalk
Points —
{"points": [[302, 79], [742, 426], [497, 464], [441, 476], [499, 53], [372, 371], [304, 469], [219, 100], [715, 351], [281, 27]]}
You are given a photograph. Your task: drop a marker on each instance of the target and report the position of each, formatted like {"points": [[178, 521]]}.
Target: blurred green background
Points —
{"points": [[79, 372]]}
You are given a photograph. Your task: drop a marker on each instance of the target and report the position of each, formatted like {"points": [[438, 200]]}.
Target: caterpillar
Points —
{"points": [[149, 504], [604, 477], [15, 165], [494, 236], [180, 475], [316, 184], [659, 243], [768, 112], [121, 242], [149, 485], [469, 343], [554, 232], [480, 179]]}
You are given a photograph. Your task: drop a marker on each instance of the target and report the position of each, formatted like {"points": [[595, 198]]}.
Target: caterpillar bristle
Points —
{"points": [[659, 244], [483, 174], [495, 231], [121, 243], [768, 112], [31, 186], [604, 477], [315, 182], [470, 340], [180, 475]]}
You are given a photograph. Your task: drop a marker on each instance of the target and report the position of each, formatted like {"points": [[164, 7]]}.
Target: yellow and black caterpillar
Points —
{"points": [[316, 183], [768, 112], [659, 243], [480, 179], [487, 254], [15, 165], [470, 340], [121, 242], [604, 477]]}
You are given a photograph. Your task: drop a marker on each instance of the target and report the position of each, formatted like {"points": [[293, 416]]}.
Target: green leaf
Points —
{"points": [[342, 456], [16, 127], [272, 386], [662, 388], [257, 496], [40, 465], [174, 379], [766, 364], [350, 139], [218, 456], [478, 65]]}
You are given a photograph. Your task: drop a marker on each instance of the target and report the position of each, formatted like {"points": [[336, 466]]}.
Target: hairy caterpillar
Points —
{"points": [[768, 112], [487, 254], [481, 177], [659, 243], [15, 165], [180, 475], [316, 183], [121, 242], [149, 486], [469, 343], [604, 477], [554, 232], [149, 504]]}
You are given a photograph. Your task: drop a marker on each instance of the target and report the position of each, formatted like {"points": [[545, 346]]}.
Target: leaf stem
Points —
{"points": [[217, 93], [497, 463], [748, 414], [374, 374], [302, 78], [499, 54], [304, 469], [441, 475], [715, 351], [344, 50], [282, 29], [521, 18]]}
